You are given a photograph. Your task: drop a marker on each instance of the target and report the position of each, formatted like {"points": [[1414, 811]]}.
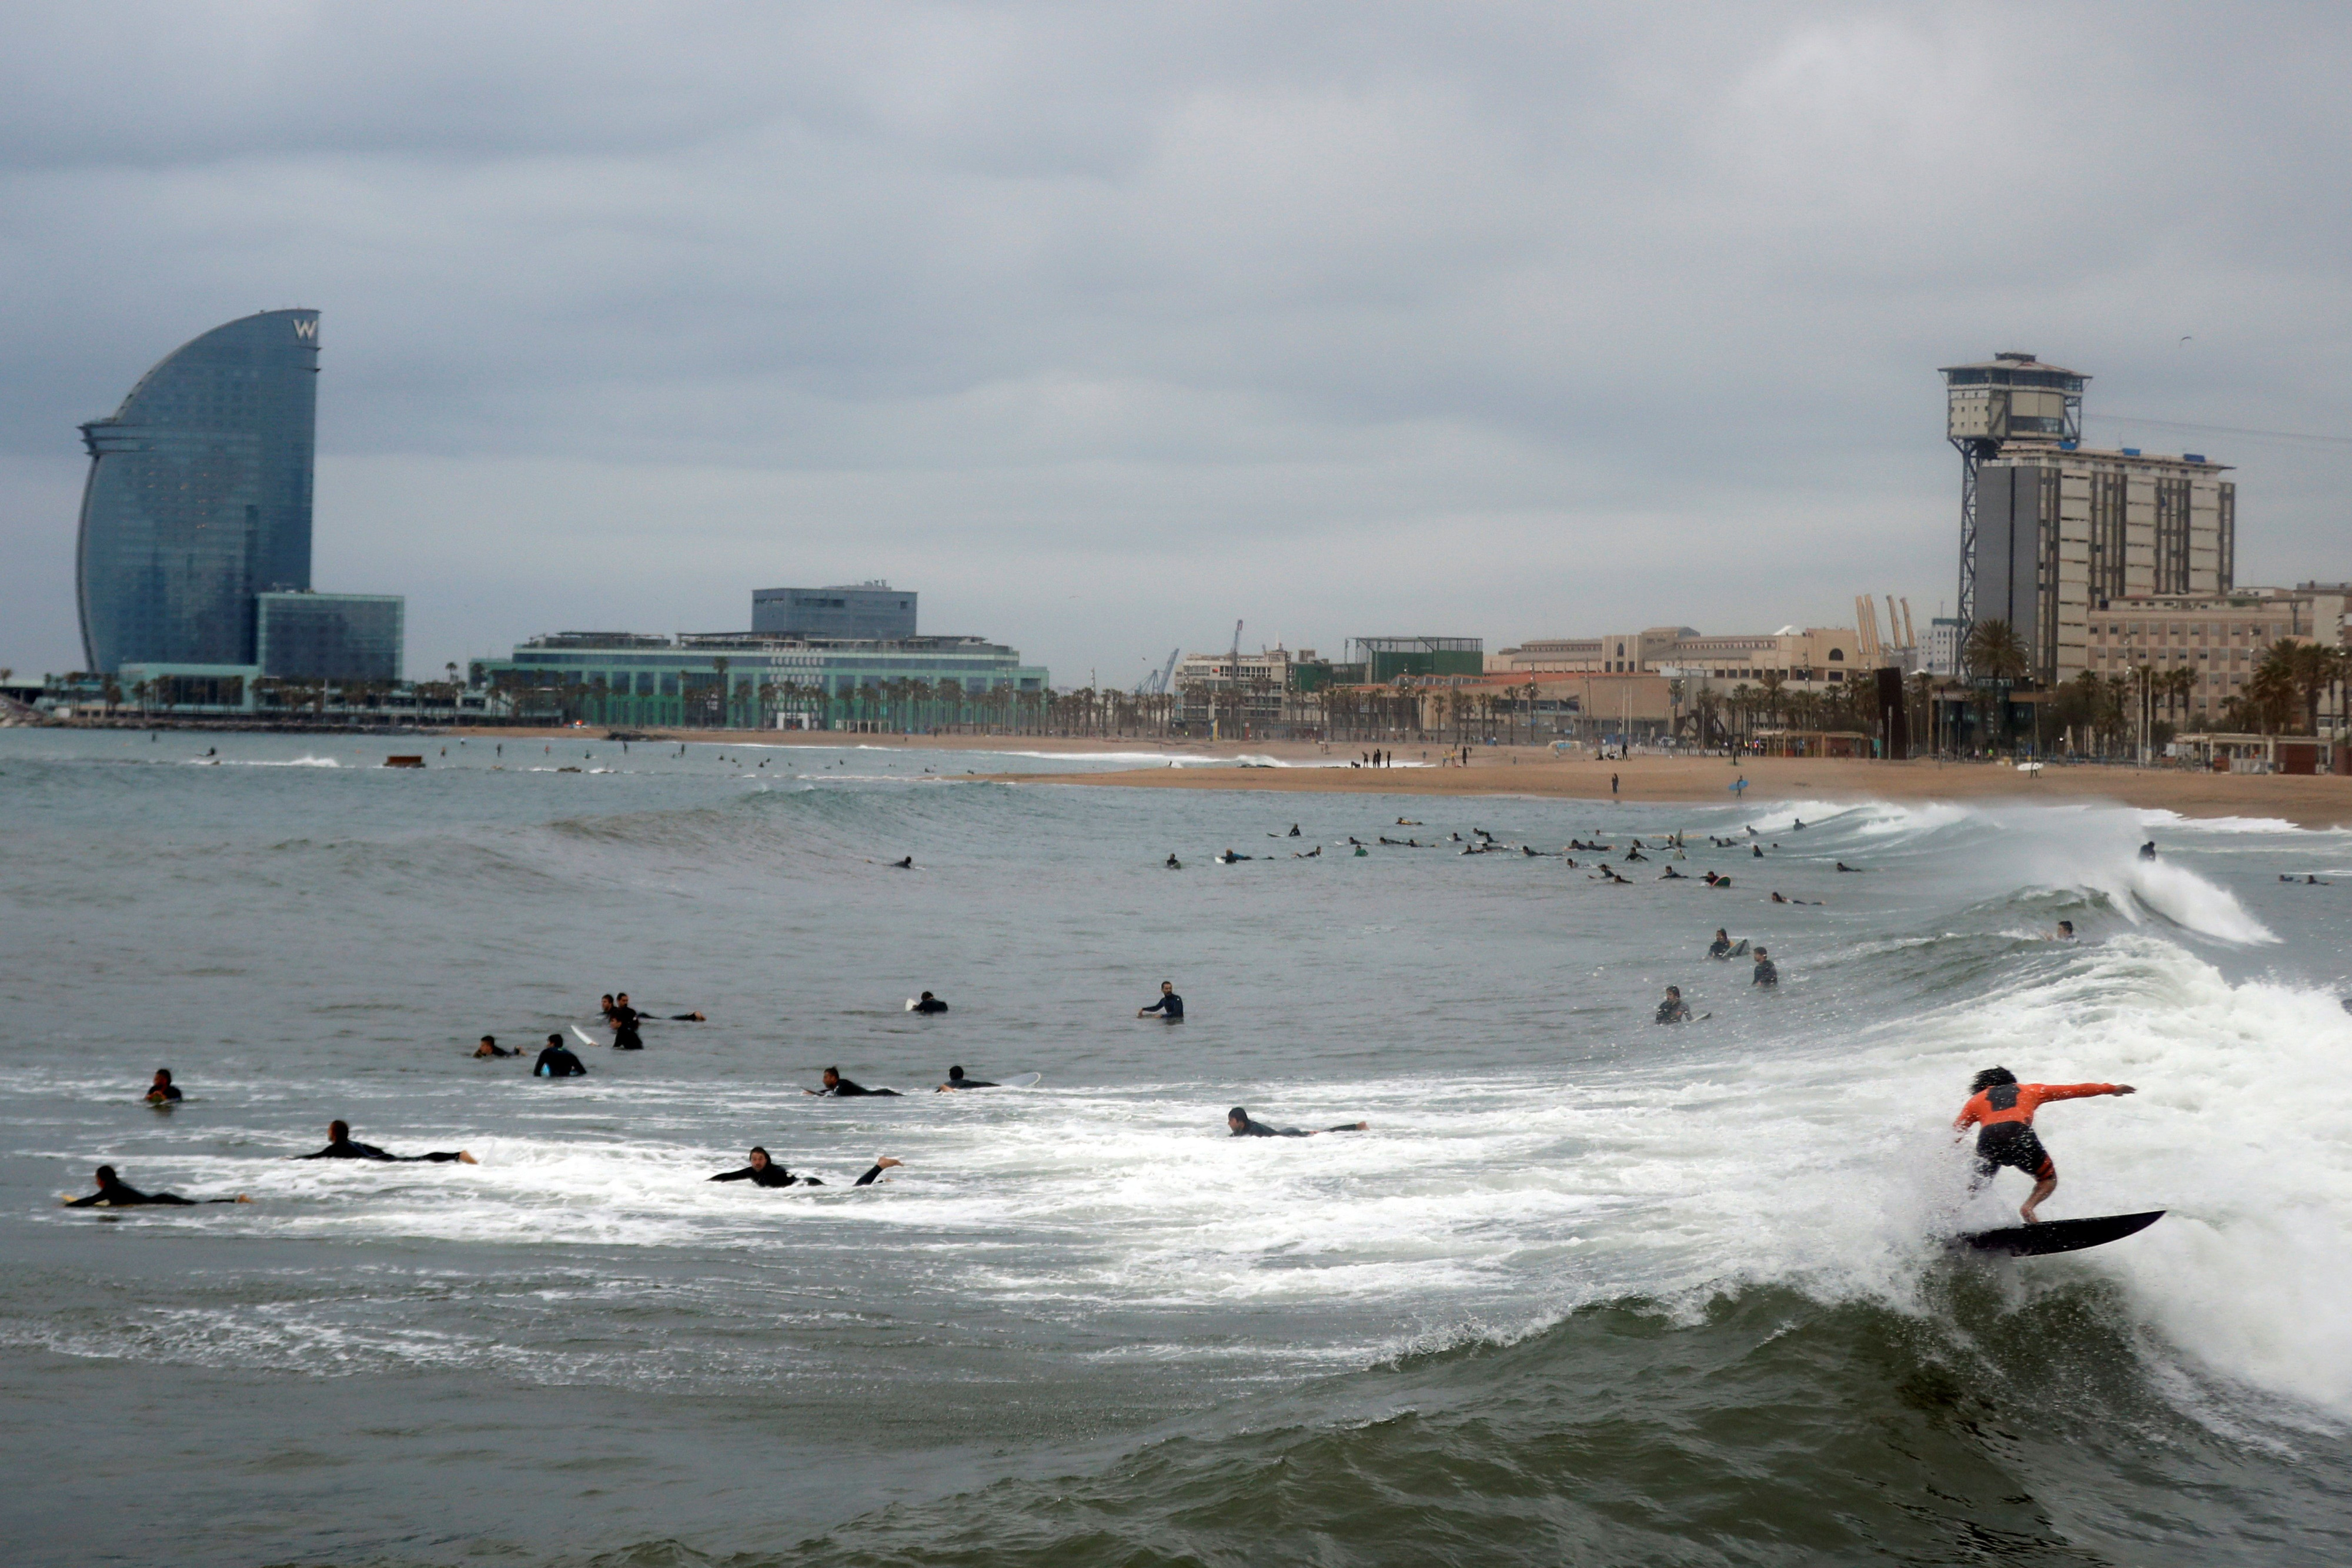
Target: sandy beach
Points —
{"points": [[1310, 766]]}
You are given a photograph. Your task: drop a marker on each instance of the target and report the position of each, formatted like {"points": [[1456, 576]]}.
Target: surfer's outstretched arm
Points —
{"points": [[881, 1163]]}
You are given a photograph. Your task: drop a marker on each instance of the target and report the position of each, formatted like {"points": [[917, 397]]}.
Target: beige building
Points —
{"points": [[1813, 659], [2052, 528], [2222, 637]]}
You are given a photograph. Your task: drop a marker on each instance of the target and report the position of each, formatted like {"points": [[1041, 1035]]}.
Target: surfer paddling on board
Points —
{"points": [[957, 1081], [2002, 1110], [842, 1088], [113, 1192], [342, 1147], [1238, 1122], [765, 1172]]}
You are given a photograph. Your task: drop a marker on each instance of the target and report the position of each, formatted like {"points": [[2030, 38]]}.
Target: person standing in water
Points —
{"points": [[557, 1061], [928, 1004], [1767, 974], [1673, 1009], [1170, 1006], [162, 1091], [2002, 1110], [625, 1022]]}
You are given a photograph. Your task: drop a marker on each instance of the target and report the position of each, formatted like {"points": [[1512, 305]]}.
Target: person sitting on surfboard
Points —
{"points": [[929, 1004], [341, 1146], [2001, 1109], [956, 1080], [113, 1192], [835, 1083], [1238, 1122], [557, 1062], [162, 1091], [1170, 1006], [1721, 946], [765, 1172]]}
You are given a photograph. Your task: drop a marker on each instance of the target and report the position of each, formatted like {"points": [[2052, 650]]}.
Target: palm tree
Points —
{"points": [[2313, 669], [2273, 688]]}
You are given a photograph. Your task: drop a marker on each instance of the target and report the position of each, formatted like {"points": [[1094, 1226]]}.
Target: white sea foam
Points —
{"points": [[262, 762]]}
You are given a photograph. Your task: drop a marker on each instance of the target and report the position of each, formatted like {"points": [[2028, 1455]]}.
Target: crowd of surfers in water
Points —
{"points": [[2006, 1135]]}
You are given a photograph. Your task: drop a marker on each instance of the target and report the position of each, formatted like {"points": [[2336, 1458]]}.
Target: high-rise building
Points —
{"points": [[329, 636], [864, 611], [2051, 529], [199, 497]]}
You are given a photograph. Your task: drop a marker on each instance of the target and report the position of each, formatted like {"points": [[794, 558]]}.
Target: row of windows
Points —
{"points": [[2187, 629]]}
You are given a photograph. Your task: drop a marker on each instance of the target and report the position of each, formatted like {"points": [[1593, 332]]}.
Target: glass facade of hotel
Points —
{"points": [[745, 680], [199, 497], [329, 636]]}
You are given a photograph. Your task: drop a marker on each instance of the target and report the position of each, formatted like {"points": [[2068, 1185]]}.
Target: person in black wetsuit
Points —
{"points": [[1238, 1122], [625, 1019], [1170, 1006], [1673, 1009], [765, 1172], [929, 1004], [557, 1062], [339, 1146], [1766, 973], [835, 1083], [113, 1192], [956, 1080], [1721, 946], [490, 1047], [162, 1091], [1173, 863]]}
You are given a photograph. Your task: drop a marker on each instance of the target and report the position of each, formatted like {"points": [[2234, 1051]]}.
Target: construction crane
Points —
{"points": [[1865, 625], [1910, 640], [1168, 673]]}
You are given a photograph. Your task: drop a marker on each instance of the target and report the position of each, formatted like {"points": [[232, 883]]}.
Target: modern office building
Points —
{"points": [[199, 497], [329, 636], [750, 679], [2049, 528], [1385, 658], [866, 609]]}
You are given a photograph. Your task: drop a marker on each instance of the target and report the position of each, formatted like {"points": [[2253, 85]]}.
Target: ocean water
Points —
{"points": [[1589, 1290]]}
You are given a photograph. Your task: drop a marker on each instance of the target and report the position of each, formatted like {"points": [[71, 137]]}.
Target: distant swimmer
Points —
{"points": [[1308, 855], [1755, 850], [956, 1080], [1674, 1009], [2307, 880], [341, 1146], [1717, 880], [490, 1047], [906, 863], [1842, 866], [113, 1192], [1721, 946], [162, 1091], [1635, 853], [2001, 1109], [1409, 822], [1766, 973], [1671, 874], [765, 1172], [842, 1088], [2065, 932], [1293, 829], [2148, 850], [1170, 1007], [1800, 826], [1172, 863], [1229, 858], [1238, 1122], [1360, 850], [928, 1004], [556, 1060]]}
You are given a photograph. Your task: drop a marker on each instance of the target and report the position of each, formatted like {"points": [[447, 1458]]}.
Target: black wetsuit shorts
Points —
{"points": [[2012, 1144]]}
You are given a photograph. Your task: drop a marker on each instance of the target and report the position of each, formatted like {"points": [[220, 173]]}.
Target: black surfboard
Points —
{"points": [[2059, 1235]]}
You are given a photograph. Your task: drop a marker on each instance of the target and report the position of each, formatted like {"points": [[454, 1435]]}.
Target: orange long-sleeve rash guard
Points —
{"points": [[2031, 1097]]}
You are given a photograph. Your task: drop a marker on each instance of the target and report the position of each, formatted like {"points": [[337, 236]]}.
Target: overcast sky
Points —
{"points": [[1104, 327]]}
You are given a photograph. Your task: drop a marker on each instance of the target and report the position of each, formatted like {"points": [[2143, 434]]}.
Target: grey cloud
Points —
{"points": [[1104, 327]]}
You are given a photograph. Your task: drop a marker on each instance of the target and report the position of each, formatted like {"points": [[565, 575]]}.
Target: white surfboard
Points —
{"points": [[585, 1038]]}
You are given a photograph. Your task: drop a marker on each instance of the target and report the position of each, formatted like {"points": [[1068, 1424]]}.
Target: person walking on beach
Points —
{"points": [[1613, 786]]}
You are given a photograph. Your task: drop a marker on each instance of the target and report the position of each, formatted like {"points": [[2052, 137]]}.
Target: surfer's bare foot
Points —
{"points": [[242, 1198], [466, 1159], [884, 1162], [1363, 1126]]}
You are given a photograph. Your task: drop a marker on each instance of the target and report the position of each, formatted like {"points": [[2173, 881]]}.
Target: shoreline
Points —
{"points": [[2317, 801]]}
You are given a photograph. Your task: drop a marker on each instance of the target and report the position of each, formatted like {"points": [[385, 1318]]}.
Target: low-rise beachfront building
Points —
{"points": [[739, 680], [2220, 638], [1814, 658]]}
